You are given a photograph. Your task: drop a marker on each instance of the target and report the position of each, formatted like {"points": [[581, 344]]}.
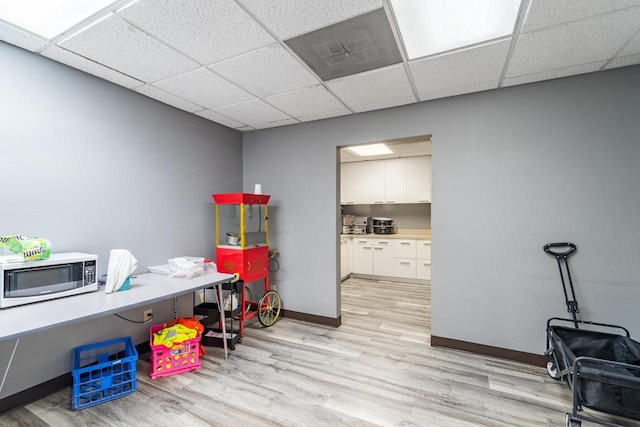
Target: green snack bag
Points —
{"points": [[31, 248]]}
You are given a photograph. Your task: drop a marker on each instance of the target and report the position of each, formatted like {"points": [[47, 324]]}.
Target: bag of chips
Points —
{"points": [[31, 248]]}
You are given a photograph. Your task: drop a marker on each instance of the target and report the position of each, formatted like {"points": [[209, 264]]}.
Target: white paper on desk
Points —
{"points": [[121, 264]]}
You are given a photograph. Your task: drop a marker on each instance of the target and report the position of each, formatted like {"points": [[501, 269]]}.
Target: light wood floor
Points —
{"points": [[377, 369]]}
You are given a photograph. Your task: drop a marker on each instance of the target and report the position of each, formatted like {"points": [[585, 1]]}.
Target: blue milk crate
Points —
{"points": [[103, 372]]}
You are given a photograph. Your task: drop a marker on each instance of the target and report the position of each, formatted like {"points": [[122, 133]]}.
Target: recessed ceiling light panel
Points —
{"points": [[48, 18], [370, 150], [359, 44], [432, 26]]}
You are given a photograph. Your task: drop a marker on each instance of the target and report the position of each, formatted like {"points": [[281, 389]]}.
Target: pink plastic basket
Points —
{"points": [[181, 357]]}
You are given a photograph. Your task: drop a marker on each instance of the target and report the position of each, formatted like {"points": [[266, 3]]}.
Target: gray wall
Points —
{"points": [[512, 169], [92, 167]]}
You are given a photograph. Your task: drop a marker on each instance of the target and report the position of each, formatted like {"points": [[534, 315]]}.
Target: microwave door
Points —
{"points": [[41, 281]]}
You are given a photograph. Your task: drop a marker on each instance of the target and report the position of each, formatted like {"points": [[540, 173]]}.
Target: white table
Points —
{"points": [[148, 288]]}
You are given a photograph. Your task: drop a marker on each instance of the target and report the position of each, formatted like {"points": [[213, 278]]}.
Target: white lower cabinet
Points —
{"points": [[404, 261], [383, 257], [423, 259], [362, 253], [345, 256]]}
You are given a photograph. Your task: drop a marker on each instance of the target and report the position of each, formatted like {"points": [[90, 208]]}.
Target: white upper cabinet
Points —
{"points": [[404, 180], [374, 176], [418, 179], [352, 183], [395, 181]]}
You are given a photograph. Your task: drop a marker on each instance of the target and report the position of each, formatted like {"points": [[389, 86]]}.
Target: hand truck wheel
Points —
{"points": [[552, 370], [569, 421], [269, 308]]}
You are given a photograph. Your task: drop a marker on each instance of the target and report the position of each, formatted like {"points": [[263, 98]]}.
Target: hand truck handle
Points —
{"points": [[548, 249]]}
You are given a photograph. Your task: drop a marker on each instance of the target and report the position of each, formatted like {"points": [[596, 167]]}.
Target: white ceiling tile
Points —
{"points": [[582, 42], [20, 38], [266, 71], [554, 74], [207, 31], [204, 88], [287, 18], [83, 64], [245, 128], [461, 68], [385, 104], [167, 98], [342, 112], [118, 45], [219, 118], [254, 113], [305, 102], [277, 123], [478, 87], [624, 61], [633, 47], [379, 86], [547, 13]]}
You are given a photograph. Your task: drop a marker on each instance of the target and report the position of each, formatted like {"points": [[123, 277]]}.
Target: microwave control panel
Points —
{"points": [[90, 272]]}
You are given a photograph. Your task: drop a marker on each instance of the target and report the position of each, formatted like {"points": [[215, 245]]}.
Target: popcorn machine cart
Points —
{"points": [[243, 249]]}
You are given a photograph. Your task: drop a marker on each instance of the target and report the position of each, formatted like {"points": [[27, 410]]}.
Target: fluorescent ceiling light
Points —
{"points": [[48, 18], [370, 150], [432, 26]]}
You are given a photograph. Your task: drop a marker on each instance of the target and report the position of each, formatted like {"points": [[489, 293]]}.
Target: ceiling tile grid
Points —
{"points": [[464, 67], [83, 64], [221, 27], [288, 18], [205, 88], [379, 86], [119, 45], [230, 61], [266, 71]]}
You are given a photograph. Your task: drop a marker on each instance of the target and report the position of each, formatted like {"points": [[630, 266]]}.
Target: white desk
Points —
{"points": [[148, 288]]}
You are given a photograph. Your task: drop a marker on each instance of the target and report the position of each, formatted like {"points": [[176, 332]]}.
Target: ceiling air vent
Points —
{"points": [[349, 47]]}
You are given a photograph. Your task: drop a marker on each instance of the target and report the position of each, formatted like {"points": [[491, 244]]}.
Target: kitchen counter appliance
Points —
{"points": [[382, 225]]}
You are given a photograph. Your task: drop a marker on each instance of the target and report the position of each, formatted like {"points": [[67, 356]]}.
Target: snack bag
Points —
{"points": [[31, 248]]}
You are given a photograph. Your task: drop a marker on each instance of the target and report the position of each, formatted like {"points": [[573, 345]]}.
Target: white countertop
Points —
{"points": [[145, 289], [401, 234]]}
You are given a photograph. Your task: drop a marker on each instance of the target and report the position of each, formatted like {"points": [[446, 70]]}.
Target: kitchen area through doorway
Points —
{"points": [[385, 211]]}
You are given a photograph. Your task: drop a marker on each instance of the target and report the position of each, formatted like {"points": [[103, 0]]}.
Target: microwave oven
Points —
{"points": [[60, 275]]}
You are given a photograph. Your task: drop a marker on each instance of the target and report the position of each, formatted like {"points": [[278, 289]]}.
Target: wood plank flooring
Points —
{"points": [[377, 369]]}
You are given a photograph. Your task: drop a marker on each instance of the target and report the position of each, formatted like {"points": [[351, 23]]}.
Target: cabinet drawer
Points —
{"points": [[405, 268], [423, 249], [362, 241], [423, 270], [383, 242], [403, 248]]}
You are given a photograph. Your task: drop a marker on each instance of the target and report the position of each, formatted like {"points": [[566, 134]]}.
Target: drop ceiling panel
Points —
{"points": [[624, 61], [118, 45], [266, 71], [382, 86], [460, 68], [254, 113], [553, 74], [582, 42], [461, 90], [204, 88], [633, 47], [167, 98], [83, 64], [287, 18], [341, 112], [396, 102], [548, 13], [305, 102], [277, 123], [20, 38], [207, 31], [219, 118]]}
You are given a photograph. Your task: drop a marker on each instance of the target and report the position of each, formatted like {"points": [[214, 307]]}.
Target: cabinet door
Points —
{"points": [[419, 179], [423, 249], [383, 257], [404, 248], [423, 269], [374, 177], [346, 250], [352, 174], [395, 181], [362, 259]]}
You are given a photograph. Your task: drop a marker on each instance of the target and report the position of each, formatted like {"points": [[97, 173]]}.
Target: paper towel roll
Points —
{"points": [[257, 189]]}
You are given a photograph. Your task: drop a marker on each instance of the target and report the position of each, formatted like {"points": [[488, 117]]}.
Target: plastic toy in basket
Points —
{"points": [[180, 357]]}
